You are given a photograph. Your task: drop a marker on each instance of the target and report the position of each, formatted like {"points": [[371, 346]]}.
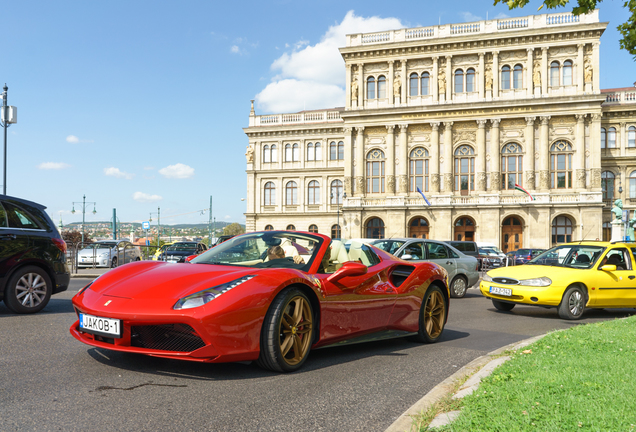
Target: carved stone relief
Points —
{"points": [[563, 120], [390, 183], [376, 67], [596, 177], [530, 179], [448, 182], [481, 181], [562, 51], [375, 130], [544, 179], [420, 63], [469, 60], [419, 139], [435, 182], [419, 128], [495, 180], [403, 188], [509, 123], [464, 136], [512, 55], [347, 186], [580, 178], [359, 185]]}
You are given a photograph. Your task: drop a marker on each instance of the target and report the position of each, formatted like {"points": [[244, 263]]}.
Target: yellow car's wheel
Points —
{"points": [[573, 303]]}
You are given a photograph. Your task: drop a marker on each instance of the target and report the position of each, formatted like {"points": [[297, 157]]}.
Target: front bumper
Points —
{"points": [[543, 296]]}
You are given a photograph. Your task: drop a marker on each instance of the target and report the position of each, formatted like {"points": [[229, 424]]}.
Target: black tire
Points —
{"points": [[502, 306], [28, 291], [287, 333], [433, 314], [573, 303], [458, 287], [113, 263]]}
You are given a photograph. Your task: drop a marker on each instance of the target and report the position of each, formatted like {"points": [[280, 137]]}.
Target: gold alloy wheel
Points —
{"points": [[295, 330], [434, 314]]}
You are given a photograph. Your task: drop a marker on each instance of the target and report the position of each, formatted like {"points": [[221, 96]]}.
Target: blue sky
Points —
{"points": [[141, 104]]}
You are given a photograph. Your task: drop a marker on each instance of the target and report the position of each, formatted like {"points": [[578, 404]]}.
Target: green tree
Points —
{"points": [[233, 229], [75, 237], [627, 29]]}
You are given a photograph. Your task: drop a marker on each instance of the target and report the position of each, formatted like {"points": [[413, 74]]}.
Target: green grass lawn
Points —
{"points": [[580, 379]]}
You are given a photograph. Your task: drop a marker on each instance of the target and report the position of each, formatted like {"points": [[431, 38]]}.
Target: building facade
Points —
{"points": [[471, 115]]}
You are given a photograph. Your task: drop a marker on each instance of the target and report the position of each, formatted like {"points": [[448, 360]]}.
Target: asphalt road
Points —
{"points": [[49, 381]]}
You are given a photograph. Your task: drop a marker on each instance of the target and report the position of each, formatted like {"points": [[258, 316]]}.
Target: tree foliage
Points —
{"points": [[75, 237], [233, 229], [627, 29]]}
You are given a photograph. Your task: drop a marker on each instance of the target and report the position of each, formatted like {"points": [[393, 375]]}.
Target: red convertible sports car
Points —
{"points": [[255, 297]]}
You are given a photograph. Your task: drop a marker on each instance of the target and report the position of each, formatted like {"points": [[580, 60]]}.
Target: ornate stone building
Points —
{"points": [[464, 113]]}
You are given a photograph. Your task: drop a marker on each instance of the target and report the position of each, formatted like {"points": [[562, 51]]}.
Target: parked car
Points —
{"points": [[161, 250], [229, 305], [108, 253], [522, 256], [177, 252], [462, 269], [32, 256], [486, 261], [571, 277], [221, 239]]}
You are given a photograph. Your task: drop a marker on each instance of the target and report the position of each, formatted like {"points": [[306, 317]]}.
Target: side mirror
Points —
{"points": [[350, 268], [407, 257], [608, 268]]}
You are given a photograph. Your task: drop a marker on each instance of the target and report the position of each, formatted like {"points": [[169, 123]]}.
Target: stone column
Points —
{"points": [[595, 152], [481, 72], [544, 154], [448, 158], [390, 160], [360, 162], [545, 76], [495, 165], [495, 74], [449, 78], [403, 78], [348, 87], [434, 163], [404, 160], [433, 79], [361, 87], [580, 151], [389, 90], [596, 67], [281, 154], [580, 70], [348, 161], [258, 155], [302, 195], [622, 138], [529, 84], [480, 160], [528, 160]]}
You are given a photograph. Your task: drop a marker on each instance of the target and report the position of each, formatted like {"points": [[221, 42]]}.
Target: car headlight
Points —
{"points": [[202, 297], [539, 282], [486, 278], [103, 254]]}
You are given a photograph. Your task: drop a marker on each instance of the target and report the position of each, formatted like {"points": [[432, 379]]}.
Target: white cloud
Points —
{"points": [[75, 140], [117, 173], [235, 49], [53, 166], [178, 171], [502, 16], [227, 217], [313, 76], [146, 198], [469, 17]]}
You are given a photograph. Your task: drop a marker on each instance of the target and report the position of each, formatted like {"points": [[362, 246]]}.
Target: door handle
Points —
{"points": [[631, 277], [8, 236], [449, 262]]}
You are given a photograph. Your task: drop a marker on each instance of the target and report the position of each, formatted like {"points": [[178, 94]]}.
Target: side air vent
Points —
{"points": [[400, 274]]}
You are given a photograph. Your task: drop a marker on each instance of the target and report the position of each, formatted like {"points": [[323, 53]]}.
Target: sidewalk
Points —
{"points": [[89, 272]]}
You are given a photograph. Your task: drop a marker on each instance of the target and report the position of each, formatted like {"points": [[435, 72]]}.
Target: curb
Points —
{"points": [[405, 421], [80, 275]]}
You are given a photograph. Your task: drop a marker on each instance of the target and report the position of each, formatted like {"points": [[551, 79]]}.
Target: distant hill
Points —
{"points": [[218, 224]]}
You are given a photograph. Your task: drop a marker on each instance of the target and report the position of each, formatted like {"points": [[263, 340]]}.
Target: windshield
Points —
{"points": [[574, 256], [182, 247], [270, 249], [101, 245], [390, 246], [490, 251]]}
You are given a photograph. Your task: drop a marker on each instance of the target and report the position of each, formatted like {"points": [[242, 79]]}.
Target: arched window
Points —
{"points": [[517, 78], [318, 153], [631, 136], [333, 151], [340, 150], [311, 154], [269, 194], [336, 232], [375, 171], [375, 228], [269, 228], [418, 228], [274, 153], [611, 138], [371, 88], [607, 185], [554, 73], [291, 193], [567, 73], [426, 78], [381, 87], [313, 229], [561, 165], [336, 192], [414, 81], [418, 169], [470, 80], [464, 169], [505, 77], [266, 154], [511, 166], [295, 152], [290, 227], [632, 185], [603, 138], [288, 153], [313, 192], [459, 81], [561, 230]]}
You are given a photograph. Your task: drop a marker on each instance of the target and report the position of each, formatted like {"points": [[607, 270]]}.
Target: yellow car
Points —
{"points": [[570, 277], [161, 250]]}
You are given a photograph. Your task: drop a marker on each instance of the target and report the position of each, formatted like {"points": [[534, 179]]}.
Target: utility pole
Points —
{"points": [[210, 224]]}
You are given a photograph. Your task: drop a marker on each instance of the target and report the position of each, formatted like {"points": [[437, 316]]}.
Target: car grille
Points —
{"points": [[166, 337], [505, 280]]}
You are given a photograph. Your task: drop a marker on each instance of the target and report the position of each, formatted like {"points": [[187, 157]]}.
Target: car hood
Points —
{"points": [[89, 251], [526, 271], [153, 279]]}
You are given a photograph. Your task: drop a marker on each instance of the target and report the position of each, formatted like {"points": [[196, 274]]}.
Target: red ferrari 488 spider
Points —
{"points": [[266, 296]]}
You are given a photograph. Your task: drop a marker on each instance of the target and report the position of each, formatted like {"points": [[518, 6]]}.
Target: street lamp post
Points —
{"points": [[158, 224], [83, 203], [344, 195], [9, 116]]}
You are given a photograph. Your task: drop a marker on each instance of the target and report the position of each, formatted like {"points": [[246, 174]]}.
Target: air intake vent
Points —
{"points": [[166, 337]]}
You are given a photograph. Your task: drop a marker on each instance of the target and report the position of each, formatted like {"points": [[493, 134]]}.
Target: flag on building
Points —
{"points": [[520, 189], [422, 193]]}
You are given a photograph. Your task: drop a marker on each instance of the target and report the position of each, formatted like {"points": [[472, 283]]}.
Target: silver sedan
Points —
{"points": [[108, 253]]}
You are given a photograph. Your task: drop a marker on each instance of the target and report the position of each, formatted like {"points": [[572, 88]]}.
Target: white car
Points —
{"points": [[108, 253]]}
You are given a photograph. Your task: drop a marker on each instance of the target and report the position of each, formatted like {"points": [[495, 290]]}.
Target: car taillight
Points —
{"points": [[60, 244]]}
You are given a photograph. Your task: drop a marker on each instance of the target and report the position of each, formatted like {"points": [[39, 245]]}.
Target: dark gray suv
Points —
{"points": [[32, 256]]}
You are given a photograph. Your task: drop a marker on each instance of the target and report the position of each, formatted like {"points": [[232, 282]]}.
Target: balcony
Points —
{"points": [[302, 118], [619, 96]]}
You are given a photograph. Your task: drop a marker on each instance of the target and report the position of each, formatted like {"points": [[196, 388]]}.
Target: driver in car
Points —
{"points": [[277, 252]]}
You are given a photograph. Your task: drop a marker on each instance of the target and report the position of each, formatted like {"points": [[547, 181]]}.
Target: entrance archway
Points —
{"points": [[418, 228], [375, 228], [464, 229], [511, 234]]}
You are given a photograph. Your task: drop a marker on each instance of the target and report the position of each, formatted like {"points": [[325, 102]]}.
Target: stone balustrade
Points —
{"points": [[331, 116], [621, 96]]}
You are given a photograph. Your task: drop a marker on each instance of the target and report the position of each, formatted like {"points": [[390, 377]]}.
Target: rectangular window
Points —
{"points": [[631, 137]]}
